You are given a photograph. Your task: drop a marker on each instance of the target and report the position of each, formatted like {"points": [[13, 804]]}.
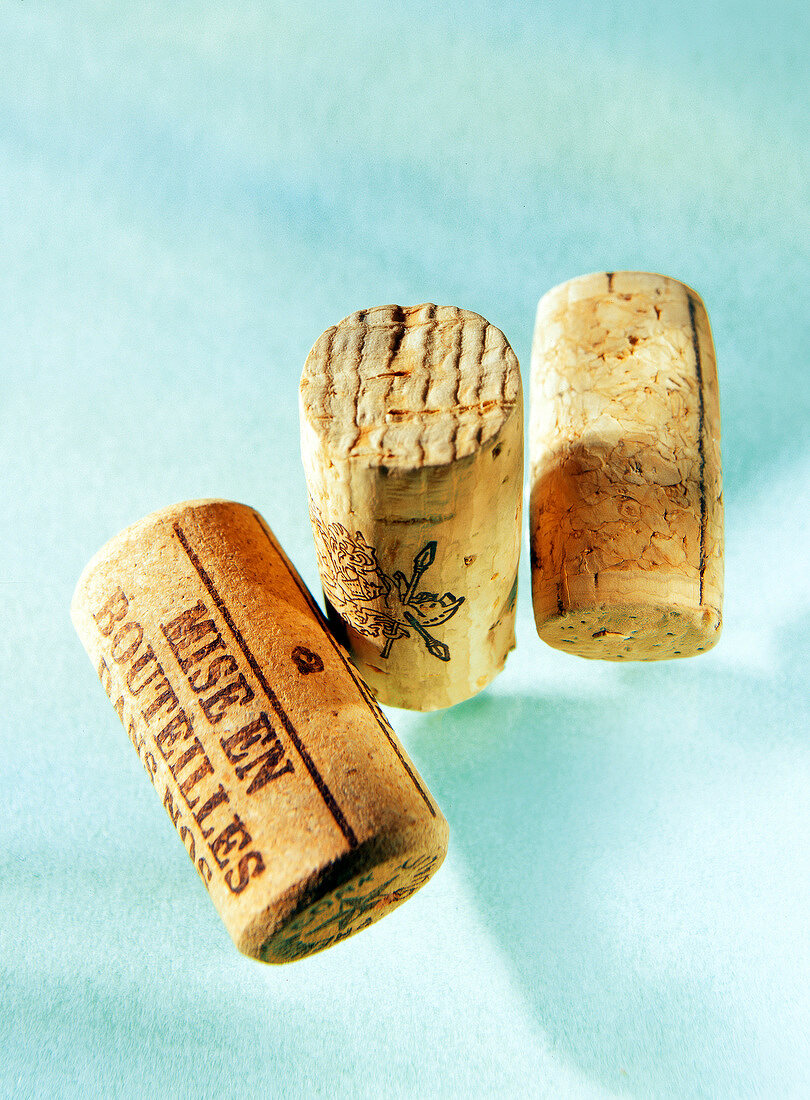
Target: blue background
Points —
{"points": [[189, 194]]}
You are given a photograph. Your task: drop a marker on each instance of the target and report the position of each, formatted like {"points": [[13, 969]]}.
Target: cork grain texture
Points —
{"points": [[412, 444], [419, 386], [303, 815], [626, 506]]}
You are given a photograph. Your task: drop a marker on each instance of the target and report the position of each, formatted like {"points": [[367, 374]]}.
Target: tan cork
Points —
{"points": [[412, 443], [626, 513], [292, 795]]}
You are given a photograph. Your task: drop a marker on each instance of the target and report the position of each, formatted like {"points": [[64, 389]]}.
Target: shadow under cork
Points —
{"points": [[607, 843]]}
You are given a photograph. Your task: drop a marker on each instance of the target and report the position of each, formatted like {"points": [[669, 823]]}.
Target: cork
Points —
{"points": [[412, 444], [290, 791], [626, 512]]}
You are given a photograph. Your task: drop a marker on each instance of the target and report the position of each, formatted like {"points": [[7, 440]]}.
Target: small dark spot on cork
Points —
{"points": [[599, 634], [633, 340], [469, 560], [306, 661], [496, 451]]}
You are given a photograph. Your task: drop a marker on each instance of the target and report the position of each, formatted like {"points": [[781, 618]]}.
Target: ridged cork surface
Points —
{"points": [[626, 493], [416, 386], [412, 444], [284, 781]]}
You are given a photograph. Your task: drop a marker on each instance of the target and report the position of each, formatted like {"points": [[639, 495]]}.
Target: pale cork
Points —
{"points": [[626, 513], [296, 802], [412, 443]]}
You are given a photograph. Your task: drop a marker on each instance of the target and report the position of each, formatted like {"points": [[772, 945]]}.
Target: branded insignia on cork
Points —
{"points": [[412, 444], [290, 791]]}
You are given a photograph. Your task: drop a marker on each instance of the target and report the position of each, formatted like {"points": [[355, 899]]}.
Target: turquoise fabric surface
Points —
{"points": [[189, 194]]}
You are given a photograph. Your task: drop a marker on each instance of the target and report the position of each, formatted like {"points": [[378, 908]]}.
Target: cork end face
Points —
{"points": [[408, 387], [633, 632], [132, 536], [600, 284], [357, 896]]}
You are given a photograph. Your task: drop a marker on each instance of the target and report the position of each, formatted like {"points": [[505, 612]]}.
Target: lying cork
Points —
{"points": [[293, 797], [626, 512], [412, 443]]}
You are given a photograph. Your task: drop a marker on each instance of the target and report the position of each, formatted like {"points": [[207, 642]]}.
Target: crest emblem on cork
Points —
{"points": [[375, 604]]}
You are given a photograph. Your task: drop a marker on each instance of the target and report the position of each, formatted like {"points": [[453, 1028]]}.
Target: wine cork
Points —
{"points": [[412, 443], [299, 807], [626, 510]]}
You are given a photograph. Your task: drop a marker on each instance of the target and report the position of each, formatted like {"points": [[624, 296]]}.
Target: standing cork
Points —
{"points": [[626, 499], [287, 786], [412, 443]]}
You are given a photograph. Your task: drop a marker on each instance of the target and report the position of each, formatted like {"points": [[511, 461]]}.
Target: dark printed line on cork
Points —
{"points": [[701, 454], [309, 763], [364, 691]]}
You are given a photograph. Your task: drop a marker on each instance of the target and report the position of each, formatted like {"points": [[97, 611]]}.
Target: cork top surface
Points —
{"points": [[134, 532], [600, 284], [408, 386]]}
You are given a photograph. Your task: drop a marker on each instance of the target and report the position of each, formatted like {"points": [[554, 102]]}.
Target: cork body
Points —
{"points": [[626, 514], [412, 443], [287, 786]]}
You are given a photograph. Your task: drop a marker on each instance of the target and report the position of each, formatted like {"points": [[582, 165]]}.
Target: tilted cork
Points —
{"points": [[412, 443], [626, 514], [291, 793]]}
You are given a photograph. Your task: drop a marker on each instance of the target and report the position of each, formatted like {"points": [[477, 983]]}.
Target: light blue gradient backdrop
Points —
{"points": [[189, 194]]}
